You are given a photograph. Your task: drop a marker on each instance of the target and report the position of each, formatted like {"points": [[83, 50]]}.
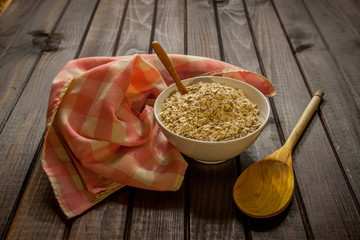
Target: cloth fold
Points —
{"points": [[101, 133]]}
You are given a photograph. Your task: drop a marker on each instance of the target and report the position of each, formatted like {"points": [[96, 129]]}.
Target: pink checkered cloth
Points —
{"points": [[101, 133]]}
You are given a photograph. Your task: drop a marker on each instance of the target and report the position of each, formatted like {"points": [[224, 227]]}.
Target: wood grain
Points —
{"points": [[13, 21], [15, 68], [38, 204], [299, 45], [201, 30], [19, 54], [213, 214], [314, 160], [24, 131], [102, 37], [170, 14], [158, 215], [339, 25], [106, 220], [237, 40], [345, 90], [136, 33]]}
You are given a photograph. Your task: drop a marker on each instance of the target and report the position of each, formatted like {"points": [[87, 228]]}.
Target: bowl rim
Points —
{"points": [[214, 142]]}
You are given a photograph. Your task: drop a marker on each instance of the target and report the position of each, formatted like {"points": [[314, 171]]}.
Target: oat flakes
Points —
{"points": [[210, 112]]}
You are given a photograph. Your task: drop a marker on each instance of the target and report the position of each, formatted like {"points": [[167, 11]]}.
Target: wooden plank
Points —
{"points": [[13, 21], [20, 53], [202, 33], [160, 215], [239, 50], [330, 208], [339, 25], [169, 29], [136, 33], [349, 12], [213, 213], [103, 33], [15, 67], [20, 139], [104, 221], [237, 41], [37, 205]]}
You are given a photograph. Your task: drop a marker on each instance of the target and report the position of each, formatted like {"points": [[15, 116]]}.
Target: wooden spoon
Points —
{"points": [[266, 187], [164, 58]]}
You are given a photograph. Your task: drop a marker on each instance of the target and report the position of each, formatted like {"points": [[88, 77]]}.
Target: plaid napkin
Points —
{"points": [[101, 133]]}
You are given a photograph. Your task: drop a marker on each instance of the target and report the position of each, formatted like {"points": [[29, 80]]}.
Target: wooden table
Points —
{"points": [[301, 46]]}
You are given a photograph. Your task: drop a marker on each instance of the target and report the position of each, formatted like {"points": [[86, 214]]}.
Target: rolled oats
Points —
{"points": [[210, 112]]}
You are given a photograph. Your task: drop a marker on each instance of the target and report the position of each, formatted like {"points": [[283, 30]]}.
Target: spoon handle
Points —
{"points": [[164, 58], [303, 121]]}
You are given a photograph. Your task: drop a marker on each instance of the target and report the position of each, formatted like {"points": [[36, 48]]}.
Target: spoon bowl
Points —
{"points": [[268, 196], [266, 188]]}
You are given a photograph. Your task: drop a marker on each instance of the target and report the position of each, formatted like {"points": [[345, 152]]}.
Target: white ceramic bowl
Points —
{"points": [[215, 152]]}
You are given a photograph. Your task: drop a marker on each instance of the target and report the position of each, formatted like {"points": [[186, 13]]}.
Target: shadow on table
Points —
{"points": [[267, 224]]}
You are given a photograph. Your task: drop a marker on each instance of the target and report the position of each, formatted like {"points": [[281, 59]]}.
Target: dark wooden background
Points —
{"points": [[300, 45]]}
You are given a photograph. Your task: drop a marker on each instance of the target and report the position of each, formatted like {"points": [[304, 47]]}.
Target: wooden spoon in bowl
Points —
{"points": [[164, 58], [265, 188]]}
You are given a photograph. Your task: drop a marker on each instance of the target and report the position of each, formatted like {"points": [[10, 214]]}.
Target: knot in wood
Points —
{"points": [[219, 3], [47, 42], [300, 39]]}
